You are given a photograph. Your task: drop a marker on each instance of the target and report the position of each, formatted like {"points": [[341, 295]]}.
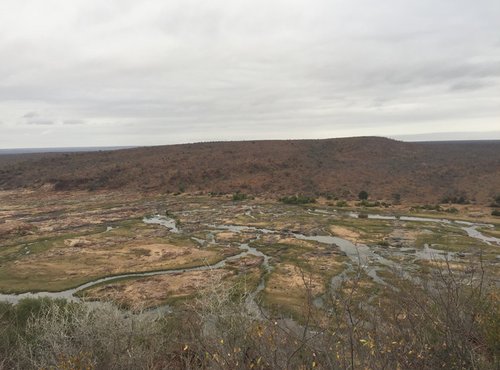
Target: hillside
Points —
{"points": [[419, 172]]}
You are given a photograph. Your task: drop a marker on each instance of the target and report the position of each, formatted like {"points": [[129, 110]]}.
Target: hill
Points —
{"points": [[419, 172]]}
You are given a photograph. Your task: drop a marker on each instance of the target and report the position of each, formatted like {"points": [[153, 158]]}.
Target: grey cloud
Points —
{"points": [[73, 122], [184, 70], [42, 122], [467, 85], [468, 135]]}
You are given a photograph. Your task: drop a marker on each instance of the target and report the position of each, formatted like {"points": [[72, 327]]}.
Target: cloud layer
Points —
{"points": [[88, 73]]}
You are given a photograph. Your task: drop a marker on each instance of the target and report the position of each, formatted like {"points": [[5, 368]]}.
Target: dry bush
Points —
{"points": [[451, 321], [86, 336]]}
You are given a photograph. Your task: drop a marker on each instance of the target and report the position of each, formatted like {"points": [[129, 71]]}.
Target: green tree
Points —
{"points": [[239, 196], [363, 195]]}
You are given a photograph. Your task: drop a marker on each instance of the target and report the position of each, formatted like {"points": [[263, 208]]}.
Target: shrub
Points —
{"points": [[427, 207], [365, 203], [495, 212], [297, 199], [496, 201], [341, 203], [430, 207], [396, 198], [455, 199], [239, 196], [447, 319], [363, 195]]}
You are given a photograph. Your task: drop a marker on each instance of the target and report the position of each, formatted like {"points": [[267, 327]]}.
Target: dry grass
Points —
{"points": [[63, 266], [139, 294]]}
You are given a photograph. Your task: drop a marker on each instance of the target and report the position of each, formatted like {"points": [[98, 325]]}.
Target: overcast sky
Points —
{"points": [[101, 73]]}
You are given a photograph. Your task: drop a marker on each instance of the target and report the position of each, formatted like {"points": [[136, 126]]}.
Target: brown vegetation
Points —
{"points": [[450, 322], [423, 172]]}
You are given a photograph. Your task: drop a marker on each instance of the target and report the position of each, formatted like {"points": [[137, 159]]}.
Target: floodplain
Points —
{"points": [[148, 251], [122, 279]]}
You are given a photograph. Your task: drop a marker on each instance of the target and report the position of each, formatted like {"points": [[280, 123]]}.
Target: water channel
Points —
{"points": [[359, 254]]}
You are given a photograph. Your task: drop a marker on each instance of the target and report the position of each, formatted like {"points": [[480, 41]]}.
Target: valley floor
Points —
{"points": [[191, 281], [148, 251]]}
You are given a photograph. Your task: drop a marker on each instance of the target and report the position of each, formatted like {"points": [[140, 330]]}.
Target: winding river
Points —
{"points": [[358, 254], [71, 294]]}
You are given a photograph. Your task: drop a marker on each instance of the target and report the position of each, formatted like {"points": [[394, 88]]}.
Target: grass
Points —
{"points": [[54, 279], [296, 265], [452, 240], [92, 294], [286, 293], [51, 265], [370, 230], [56, 272], [241, 284], [495, 232]]}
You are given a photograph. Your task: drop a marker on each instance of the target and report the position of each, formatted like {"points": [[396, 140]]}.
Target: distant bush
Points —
{"points": [[455, 199], [363, 195], [341, 203], [365, 203], [239, 196], [496, 201], [297, 199], [430, 207], [216, 194], [495, 212], [427, 207], [330, 196]]}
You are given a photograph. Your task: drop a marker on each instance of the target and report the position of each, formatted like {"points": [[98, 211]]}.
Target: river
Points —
{"points": [[358, 254]]}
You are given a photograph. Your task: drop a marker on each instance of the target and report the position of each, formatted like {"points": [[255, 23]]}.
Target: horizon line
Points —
{"points": [[93, 148]]}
